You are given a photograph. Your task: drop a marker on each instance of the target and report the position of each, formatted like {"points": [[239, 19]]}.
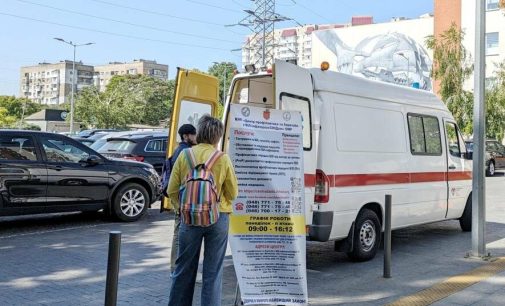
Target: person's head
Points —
{"points": [[188, 133], [210, 130]]}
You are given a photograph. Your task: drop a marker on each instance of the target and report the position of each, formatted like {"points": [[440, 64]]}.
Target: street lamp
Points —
{"points": [[408, 66], [73, 79], [224, 80]]}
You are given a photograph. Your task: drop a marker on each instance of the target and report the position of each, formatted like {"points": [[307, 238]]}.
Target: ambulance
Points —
{"points": [[362, 140]]}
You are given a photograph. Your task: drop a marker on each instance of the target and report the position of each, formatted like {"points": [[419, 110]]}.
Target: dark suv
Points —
{"points": [[148, 148], [43, 172]]}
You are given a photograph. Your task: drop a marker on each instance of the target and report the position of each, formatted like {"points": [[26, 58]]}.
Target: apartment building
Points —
{"points": [[48, 83], [51, 83], [104, 73], [295, 43]]}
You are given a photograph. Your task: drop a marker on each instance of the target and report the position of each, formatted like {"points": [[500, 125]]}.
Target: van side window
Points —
{"points": [[296, 103], [424, 134], [453, 140]]}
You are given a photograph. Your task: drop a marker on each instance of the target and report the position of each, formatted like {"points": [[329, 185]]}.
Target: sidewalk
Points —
{"points": [[422, 257]]}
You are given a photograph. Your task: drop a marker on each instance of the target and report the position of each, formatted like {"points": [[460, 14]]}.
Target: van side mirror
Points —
{"points": [[468, 155]]}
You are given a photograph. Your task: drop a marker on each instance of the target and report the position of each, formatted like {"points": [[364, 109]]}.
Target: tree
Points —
{"points": [[127, 99], [220, 70], [14, 106], [6, 120], [451, 68], [103, 109], [495, 105]]}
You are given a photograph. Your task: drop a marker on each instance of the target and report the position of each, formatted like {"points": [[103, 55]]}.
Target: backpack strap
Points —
{"points": [[190, 156], [213, 159]]}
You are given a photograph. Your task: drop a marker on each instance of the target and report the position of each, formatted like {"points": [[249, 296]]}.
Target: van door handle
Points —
{"points": [[452, 167]]}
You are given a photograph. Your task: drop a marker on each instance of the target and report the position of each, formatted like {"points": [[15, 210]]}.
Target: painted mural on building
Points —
{"points": [[392, 57]]}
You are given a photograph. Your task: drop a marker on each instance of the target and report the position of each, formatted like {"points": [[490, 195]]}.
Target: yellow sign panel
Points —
{"points": [[267, 224]]}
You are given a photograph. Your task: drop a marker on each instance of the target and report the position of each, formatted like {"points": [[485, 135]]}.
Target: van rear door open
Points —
{"points": [[196, 94], [294, 92]]}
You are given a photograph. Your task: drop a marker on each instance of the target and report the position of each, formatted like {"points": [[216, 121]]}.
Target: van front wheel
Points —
{"points": [[367, 236], [466, 219]]}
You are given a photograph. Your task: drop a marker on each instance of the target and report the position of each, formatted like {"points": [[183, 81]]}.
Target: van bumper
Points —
{"points": [[320, 228]]}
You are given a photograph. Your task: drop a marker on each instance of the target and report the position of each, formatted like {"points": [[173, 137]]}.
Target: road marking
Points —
{"points": [[452, 285]]}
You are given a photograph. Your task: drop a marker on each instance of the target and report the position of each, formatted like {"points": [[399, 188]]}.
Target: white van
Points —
{"points": [[362, 140]]}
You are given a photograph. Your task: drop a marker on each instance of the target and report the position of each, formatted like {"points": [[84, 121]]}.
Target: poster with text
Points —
{"points": [[267, 227]]}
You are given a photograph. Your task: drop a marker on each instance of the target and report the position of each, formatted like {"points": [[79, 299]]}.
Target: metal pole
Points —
{"points": [[112, 268], [387, 238], [479, 134], [72, 97], [224, 84]]}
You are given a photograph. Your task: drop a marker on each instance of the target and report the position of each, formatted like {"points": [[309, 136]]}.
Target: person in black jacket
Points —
{"points": [[187, 132]]}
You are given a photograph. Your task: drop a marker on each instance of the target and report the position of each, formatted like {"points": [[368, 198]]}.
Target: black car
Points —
{"points": [[43, 172], [148, 148], [89, 133], [495, 155]]}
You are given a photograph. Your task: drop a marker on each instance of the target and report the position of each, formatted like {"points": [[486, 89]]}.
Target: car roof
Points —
{"points": [[139, 136]]}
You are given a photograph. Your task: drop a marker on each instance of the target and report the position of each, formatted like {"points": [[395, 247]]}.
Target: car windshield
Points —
{"points": [[117, 145], [98, 144]]}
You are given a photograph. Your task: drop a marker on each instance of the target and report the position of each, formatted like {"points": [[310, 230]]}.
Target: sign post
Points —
{"points": [[267, 227]]}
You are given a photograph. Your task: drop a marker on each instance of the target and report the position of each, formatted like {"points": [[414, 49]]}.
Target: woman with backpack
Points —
{"points": [[202, 186]]}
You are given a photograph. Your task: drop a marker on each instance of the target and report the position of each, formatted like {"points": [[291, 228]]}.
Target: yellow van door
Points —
{"points": [[196, 94]]}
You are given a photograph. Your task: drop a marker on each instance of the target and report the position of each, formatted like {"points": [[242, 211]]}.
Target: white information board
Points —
{"points": [[267, 227]]}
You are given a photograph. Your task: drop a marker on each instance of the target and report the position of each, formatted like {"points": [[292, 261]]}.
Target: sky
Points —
{"points": [[180, 33]]}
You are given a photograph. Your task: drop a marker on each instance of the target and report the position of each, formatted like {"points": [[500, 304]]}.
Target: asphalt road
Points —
{"points": [[61, 259]]}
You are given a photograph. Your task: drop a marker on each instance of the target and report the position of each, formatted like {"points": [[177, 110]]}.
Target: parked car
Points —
{"points": [[495, 155], [88, 141], [103, 140], [148, 148], [89, 133], [43, 172]]}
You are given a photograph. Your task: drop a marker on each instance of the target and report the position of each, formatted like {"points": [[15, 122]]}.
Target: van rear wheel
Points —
{"points": [[367, 236]]}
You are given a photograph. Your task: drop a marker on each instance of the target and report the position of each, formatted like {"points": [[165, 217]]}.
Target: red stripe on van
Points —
{"points": [[460, 176], [310, 180], [349, 180]]}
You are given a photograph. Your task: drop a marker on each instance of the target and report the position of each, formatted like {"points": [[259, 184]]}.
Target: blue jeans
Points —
{"points": [[184, 277], [175, 242]]}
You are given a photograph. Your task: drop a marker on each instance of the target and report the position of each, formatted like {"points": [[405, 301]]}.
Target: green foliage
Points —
{"points": [[14, 106], [495, 105], [127, 99], [451, 68], [219, 70], [6, 120]]}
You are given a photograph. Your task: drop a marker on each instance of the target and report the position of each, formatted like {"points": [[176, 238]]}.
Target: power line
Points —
{"points": [[239, 4], [214, 6], [113, 33], [157, 13], [312, 11], [124, 22]]}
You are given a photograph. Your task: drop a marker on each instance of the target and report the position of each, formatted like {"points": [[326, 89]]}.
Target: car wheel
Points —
{"points": [[130, 202], [490, 171], [367, 236], [465, 222]]}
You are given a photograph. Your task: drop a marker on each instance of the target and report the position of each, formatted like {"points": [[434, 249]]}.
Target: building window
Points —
{"points": [[492, 5], [492, 42]]}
